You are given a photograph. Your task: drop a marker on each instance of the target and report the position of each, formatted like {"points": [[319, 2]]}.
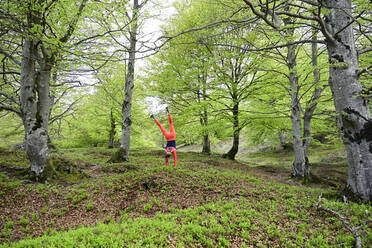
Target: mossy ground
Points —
{"points": [[207, 201]]}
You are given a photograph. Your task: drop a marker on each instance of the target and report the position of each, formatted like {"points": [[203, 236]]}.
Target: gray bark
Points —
{"points": [[354, 116], [129, 85], [204, 118], [300, 167], [309, 111], [35, 109], [206, 144], [36, 67]]}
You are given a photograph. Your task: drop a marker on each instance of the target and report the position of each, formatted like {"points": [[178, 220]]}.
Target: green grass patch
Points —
{"points": [[211, 225]]}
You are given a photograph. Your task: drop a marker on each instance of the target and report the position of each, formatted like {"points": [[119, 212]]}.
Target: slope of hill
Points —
{"points": [[206, 201]]}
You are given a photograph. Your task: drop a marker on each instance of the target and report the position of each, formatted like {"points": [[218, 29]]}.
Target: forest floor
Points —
{"points": [[207, 201]]}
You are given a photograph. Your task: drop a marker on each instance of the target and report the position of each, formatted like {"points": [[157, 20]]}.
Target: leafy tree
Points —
{"points": [[209, 72], [184, 81], [336, 21], [237, 78], [42, 41], [95, 118]]}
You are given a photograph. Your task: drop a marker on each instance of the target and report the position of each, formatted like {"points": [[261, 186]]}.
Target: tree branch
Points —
{"points": [[55, 118], [209, 25], [11, 109], [11, 98], [266, 48], [261, 15], [347, 25], [353, 229], [366, 70], [72, 25], [10, 56]]}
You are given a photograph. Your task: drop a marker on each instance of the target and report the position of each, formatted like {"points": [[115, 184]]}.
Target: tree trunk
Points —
{"points": [[300, 167], [112, 131], [35, 90], [206, 141], [35, 109], [206, 144], [204, 123], [235, 147], [129, 85], [309, 111], [354, 116]]}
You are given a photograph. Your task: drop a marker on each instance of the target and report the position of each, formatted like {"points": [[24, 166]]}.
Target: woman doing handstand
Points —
{"points": [[171, 139]]}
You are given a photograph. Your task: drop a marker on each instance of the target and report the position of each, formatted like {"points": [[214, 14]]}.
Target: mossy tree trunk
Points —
{"points": [[38, 61], [35, 107]]}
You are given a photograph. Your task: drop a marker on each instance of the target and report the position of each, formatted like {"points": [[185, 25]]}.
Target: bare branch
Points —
{"points": [[11, 109], [10, 72], [261, 15], [57, 117], [353, 229], [366, 70], [11, 98], [109, 93], [72, 25], [267, 48], [323, 28], [10, 56], [209, 25]]}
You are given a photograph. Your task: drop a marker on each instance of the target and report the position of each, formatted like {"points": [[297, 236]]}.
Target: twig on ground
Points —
{"points": [[171, 241], [353, 229]]}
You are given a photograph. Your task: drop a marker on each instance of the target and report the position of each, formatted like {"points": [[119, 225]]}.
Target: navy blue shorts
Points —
{"points": [[171, 143]]}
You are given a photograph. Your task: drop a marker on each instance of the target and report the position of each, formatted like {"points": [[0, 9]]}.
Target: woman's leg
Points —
{"points": [[174, 157], [171, 127], [166, 157], [162, 129]]}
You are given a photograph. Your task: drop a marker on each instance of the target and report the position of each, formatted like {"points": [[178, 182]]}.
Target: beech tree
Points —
{"points": [[42, 40], [223, 44], [132, 36], [300, 117], [129, 83], [237, 79], [335, 21], [184, 81], [289, 90], [97, 116], [231, 70]]}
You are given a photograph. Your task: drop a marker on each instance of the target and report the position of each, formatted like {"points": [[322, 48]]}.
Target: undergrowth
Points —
{"points": [[206, 201]]}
